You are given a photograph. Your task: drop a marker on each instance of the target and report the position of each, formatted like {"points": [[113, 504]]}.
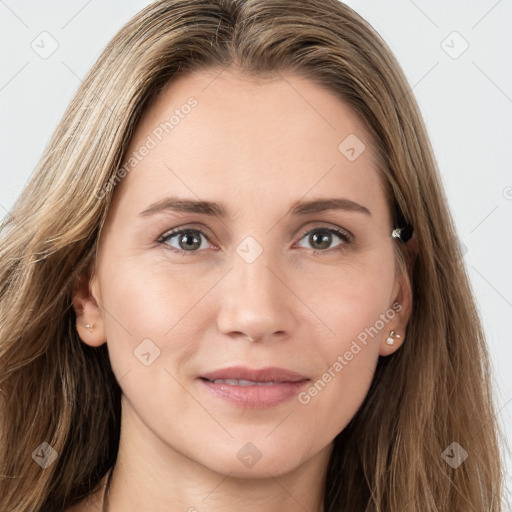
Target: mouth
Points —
{"points": [[241, 382], [245, 376], [254, 388]]}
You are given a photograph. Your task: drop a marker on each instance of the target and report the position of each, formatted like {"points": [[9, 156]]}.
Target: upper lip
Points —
{"points": [[270, 374]]}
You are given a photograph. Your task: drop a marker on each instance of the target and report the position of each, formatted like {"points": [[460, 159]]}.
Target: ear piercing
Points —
{"points": [[89, 326], [392, 335], [404, 234]]}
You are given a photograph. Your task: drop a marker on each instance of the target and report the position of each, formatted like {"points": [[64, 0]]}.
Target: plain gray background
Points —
{"points": [[456, 56]]}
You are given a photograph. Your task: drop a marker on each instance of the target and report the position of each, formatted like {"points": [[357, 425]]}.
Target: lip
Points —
{"points": [[285, 384], [269, 374]]}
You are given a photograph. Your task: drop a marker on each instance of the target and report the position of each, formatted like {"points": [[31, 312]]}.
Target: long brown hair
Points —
{"points": [[433, 392]]}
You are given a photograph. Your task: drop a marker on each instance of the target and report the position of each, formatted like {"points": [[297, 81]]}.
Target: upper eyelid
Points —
{"points": [[185, 227], [328, 226], [301, 233]]}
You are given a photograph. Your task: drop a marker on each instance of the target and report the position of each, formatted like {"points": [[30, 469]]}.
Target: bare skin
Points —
{"points": [[256, 147]]}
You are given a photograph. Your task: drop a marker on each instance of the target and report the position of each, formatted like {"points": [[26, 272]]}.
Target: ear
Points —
{"points": [[402, 300], [86, 303]]}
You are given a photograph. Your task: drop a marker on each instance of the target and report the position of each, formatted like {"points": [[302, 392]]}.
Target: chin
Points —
{"points": [[249, 461]]}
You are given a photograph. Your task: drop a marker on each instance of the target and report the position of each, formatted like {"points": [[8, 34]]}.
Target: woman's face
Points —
{"points": [[245, 169]]}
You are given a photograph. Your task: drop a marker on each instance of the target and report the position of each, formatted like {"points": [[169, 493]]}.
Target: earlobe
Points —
{"points": [[89, 318]]}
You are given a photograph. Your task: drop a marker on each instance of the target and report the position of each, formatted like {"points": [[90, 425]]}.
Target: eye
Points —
{"points": [[189, 240], [321, 239]]}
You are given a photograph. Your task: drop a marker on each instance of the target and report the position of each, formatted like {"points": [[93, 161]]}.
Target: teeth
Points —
{"points": [[235, 382]]}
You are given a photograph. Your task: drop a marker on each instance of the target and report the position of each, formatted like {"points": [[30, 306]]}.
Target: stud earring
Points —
{"points": [[392, 335], [89, 326], [404, 234]]}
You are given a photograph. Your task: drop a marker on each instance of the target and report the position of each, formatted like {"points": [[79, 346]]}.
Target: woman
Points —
{"points": [[233, 281]]}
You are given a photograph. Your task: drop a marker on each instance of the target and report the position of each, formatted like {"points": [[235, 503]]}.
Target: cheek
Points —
{"points": [[146, 312], [347, 365], [149, 337], [351, 299], [336, 394], [359, 317]]}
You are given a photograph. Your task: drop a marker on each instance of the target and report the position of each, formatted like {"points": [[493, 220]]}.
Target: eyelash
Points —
{"points": [[347, 239]]}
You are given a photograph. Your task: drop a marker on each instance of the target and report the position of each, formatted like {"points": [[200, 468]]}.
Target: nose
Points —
{"points": [[256, 301]]}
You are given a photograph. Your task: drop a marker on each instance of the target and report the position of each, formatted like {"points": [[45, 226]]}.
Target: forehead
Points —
{"points": [[229, 137]]}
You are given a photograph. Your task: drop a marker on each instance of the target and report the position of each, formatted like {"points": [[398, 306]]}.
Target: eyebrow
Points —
{"points": [[213, 209]]}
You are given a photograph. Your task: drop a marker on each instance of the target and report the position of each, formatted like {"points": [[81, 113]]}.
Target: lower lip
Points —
{"points": [[255, 397]]}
